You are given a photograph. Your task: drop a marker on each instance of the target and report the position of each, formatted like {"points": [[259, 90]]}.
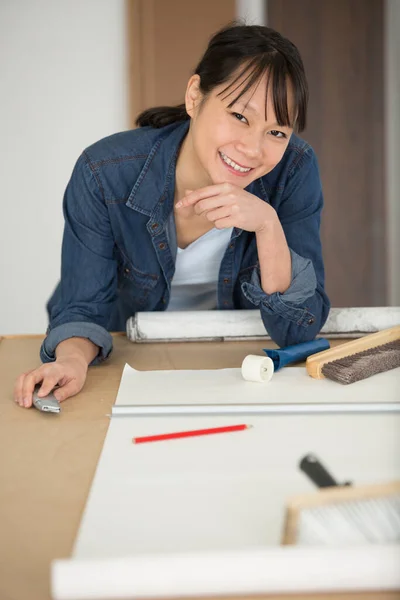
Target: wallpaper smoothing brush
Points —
{"points": [[358, 359], [342, 514]]}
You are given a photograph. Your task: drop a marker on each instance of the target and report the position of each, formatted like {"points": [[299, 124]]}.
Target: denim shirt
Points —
{"points": [[119, 243]]}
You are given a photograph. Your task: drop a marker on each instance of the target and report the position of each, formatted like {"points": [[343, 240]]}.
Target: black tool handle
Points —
{"points": [[314, 469]]}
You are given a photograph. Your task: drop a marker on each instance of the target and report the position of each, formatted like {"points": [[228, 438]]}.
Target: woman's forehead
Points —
{"points": [[259, 97]]}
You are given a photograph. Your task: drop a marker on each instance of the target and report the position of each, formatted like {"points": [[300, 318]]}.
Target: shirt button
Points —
{"points": [[226, 280], [161, 246], [154, 226], [231, 246], [127, 270]]}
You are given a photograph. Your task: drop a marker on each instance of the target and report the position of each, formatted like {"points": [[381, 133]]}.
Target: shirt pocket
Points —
{"points": [[135, 283]]}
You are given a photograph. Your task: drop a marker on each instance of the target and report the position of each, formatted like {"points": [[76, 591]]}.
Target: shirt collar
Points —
{"points": [[157, 177], [156, 180]]}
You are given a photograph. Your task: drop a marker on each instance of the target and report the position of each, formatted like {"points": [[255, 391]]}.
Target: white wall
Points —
{"points": [[254, 12], [392, 76], [62, 87]]}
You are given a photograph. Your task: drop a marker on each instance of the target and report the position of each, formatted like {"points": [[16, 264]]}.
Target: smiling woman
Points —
{"points": [[212, 204]]}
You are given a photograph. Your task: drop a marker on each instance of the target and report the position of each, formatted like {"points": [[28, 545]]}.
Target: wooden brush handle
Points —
{"points": [[315, 362]]}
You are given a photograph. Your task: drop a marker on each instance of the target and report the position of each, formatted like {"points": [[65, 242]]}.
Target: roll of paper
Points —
{"points": [[257, 368], [248, 572], [166, 326]]}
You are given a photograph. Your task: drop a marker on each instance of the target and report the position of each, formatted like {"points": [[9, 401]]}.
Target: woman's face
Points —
{"points": [[237, 144]]}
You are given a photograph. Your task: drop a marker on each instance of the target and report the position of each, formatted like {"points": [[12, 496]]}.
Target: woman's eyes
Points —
{"points": [[278, 134], [239, 117], [274, 132]]}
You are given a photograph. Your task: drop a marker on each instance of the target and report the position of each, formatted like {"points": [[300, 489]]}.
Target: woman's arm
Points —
{"points": [[77, 348], [82, 302], [274, 257], [297, 313]]}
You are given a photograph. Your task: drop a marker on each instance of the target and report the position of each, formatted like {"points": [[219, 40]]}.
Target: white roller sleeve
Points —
{"points": [[259, 571], [247, 324], [257, 368]]}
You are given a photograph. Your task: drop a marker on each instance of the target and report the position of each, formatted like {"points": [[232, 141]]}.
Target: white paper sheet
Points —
{"points": [[184, 391], [218, 494], [254, 571], [225, 491]]}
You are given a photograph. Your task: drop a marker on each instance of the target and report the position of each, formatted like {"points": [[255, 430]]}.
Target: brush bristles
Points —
{"points": [[356, 367], [369, 520]]}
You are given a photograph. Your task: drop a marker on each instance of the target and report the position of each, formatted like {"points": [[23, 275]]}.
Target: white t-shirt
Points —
{"points": [[194, 284]]}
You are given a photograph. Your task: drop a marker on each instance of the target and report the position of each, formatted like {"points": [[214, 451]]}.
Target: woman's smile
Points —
{"points": [[234, 167]]}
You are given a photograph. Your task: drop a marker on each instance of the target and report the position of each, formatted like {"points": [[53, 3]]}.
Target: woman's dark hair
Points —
{"points": [[258, 50]]}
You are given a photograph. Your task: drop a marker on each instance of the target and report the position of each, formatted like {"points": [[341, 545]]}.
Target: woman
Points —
{"points": [[212, 204]]}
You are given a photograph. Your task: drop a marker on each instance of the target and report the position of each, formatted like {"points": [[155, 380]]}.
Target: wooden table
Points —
{"points": [[47, 462]]}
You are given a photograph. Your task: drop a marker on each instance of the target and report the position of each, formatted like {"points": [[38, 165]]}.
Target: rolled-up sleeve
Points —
{"points": [[96, 334], [82, 303], [298, 314]]}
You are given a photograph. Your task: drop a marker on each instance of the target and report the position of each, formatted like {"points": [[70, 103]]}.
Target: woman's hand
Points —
{"points": [[227, 205], [68, 372]]}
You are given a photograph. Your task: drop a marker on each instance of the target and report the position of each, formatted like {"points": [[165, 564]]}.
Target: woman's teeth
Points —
{"points": [[232, 164]]}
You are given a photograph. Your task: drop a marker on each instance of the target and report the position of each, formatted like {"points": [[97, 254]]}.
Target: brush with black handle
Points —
{"points": [[342, 514], [315, 470]]}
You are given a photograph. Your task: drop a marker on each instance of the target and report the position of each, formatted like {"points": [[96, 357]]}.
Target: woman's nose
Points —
{"points": [[251, 147]]}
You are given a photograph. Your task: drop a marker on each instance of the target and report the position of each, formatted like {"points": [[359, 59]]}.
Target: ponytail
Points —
{"points": [[160, 116]]}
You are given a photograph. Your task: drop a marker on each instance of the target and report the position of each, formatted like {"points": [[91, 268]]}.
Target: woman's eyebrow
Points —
{"points": [[247, 106], [253, 109]]}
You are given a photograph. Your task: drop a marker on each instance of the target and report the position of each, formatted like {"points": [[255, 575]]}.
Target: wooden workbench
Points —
{"points": [[47, 462]]}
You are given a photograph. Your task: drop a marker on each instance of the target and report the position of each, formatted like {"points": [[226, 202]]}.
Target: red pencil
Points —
{"points": [[183, 434]]}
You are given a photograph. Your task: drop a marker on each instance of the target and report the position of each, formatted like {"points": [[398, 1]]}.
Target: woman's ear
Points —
{"points": [[193, 95]]}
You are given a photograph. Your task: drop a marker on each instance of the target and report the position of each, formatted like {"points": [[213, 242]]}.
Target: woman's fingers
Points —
{"points": [[66, 391], [26, 382], [19, 383], [204, 206], [50, 380], [219, 213], [224, 223], [30, 380], [68, 373], [206, 192]]}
